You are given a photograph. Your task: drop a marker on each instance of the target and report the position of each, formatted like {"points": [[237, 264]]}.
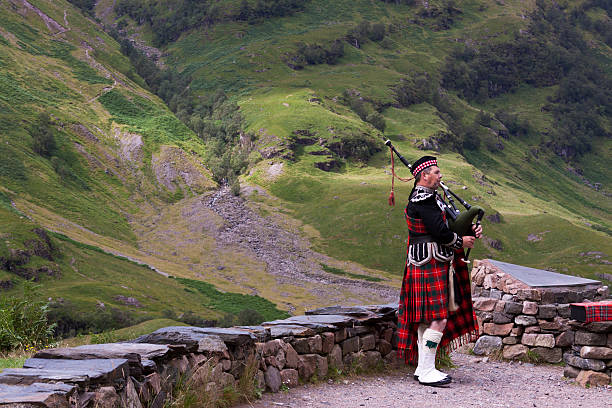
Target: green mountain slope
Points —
{"points": [[307, 115], [87, 153], [97, 170]]}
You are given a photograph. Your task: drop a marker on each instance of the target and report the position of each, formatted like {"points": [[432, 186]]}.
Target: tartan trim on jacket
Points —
{"points": [[415, 225]]}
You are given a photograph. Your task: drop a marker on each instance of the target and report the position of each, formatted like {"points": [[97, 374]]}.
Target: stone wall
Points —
{"points": [[522, 322], [143, 372]]}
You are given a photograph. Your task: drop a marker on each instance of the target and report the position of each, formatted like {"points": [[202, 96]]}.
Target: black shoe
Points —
{"points": [[440, 383], [416, 377]]}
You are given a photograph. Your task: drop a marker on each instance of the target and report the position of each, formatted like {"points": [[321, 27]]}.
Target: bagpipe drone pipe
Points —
{"points": [[458, 221]]}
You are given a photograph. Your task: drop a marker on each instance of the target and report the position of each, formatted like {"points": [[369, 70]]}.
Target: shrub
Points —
{"points": [[43, 140], [23, 320]]}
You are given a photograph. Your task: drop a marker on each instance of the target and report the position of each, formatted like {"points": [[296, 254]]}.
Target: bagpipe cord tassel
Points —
{"points": [[393, 177]]}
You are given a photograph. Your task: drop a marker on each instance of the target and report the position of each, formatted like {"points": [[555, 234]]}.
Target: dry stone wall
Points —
{"points": [[143, 372], [522, 322]]}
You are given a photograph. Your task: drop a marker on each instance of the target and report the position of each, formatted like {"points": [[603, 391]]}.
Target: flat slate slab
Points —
{"points": [[291, 330], [315, 322], [41, 370], [37, 394], [129, 351], [198, 339], [363, 314], [539, 278], [262, 334]]}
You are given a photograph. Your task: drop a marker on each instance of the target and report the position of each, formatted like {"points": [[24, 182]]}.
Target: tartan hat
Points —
{"points": [[423, 163]]}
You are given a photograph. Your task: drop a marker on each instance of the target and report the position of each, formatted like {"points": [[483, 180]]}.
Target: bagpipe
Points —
{"points": [[458, 222]]}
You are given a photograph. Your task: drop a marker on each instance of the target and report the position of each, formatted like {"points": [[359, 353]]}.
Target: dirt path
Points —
{"points": [[476, 384]]}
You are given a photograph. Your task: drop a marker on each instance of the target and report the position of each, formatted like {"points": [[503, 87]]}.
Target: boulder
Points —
{"points": [[272, 347], [301, 345], [510, 340], [564, 310], [599, 353], [371, 359], [592, 378], [571, 372], [524, 320], [600, 327], [498, 329], [547, 311], [584, 363], [545, 340], [307, 366], [517, 351], [529, 339], [367, 342], [513, 308], [291, 356], [549, 355], [485, 345], [484, 304], [273, 379], [315, 344], [384, 347], [129, 398], [290, 377], [340, 335], [322, 366], [530, 308], [106, 397], [584, 338], [328, 342], [334, 358], [549, 325], [565, 339], [350, 345], [502, 318]]}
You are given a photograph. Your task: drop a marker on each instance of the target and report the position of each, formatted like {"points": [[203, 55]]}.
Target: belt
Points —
{"points": [[420, 239]]}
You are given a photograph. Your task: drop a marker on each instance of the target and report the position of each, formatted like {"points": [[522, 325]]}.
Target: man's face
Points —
{"points": [[433, 178]]}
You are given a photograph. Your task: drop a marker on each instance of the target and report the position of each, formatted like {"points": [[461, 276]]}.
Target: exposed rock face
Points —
{"points": [[174, 168]]}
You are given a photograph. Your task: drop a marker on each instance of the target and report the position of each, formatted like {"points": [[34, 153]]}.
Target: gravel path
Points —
{"points": [[476, 384]]}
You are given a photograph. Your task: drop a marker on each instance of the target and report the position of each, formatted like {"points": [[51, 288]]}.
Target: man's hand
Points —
{"points": [[468, 241], [477, 230]]}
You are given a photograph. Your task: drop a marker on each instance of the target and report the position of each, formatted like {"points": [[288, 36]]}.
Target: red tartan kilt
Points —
{"points": [[427, 291]]}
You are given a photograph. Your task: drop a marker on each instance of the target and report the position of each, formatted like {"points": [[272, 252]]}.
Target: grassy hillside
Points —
{"points": [[532, 188], [98, 172], [87, 152]]}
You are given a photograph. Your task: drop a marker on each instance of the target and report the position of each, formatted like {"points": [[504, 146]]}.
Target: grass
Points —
{"points": [[340, 272], [234, 303]]}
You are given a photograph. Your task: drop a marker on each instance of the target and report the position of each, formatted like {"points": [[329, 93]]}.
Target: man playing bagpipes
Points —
{"points": [[435, 308]]}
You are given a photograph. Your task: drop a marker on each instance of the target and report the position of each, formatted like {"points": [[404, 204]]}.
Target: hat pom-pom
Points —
{"points": [[391, 199]]}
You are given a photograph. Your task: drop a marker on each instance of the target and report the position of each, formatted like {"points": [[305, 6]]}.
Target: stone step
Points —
{"points": [[140, 356], [81, 372], [36, 394]]}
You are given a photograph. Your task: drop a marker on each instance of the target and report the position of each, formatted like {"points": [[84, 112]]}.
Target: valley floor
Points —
{"points": [[475, 384]]}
